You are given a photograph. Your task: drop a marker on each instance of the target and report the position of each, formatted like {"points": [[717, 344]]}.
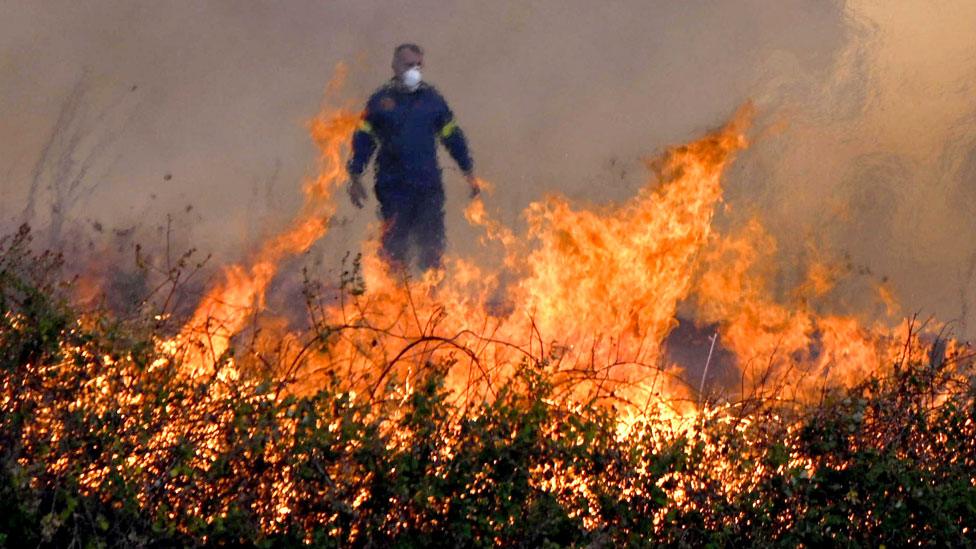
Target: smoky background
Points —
{"points": [[183, 124]]}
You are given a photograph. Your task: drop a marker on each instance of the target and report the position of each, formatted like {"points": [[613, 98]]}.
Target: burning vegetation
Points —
{"points": [[532, 404]]}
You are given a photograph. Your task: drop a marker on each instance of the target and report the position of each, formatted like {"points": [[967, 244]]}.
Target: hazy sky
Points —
{"points": [[866, 137]]}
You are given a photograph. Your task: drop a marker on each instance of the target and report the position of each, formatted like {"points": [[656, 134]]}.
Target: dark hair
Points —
{"points": [[408, 46]]}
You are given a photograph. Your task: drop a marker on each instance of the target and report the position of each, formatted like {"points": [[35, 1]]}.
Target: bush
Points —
{"points": [[103, 443]]}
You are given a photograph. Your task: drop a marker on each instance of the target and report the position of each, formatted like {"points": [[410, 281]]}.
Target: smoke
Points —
{"points": [[873, 165], [865, 150]]}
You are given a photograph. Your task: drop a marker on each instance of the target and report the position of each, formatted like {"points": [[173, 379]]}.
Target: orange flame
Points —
{"points": [[596, 297], [224, 310], [595, 292]]}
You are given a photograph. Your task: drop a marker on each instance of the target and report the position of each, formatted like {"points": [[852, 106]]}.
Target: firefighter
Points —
{"points": [[404, 119]]}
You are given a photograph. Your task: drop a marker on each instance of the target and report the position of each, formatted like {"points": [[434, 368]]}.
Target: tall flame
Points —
{"points": [[593, 293], [224, 310], [596, 295]]}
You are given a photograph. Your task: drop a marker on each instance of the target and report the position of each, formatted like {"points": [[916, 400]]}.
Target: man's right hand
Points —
{"points": [[357, 193]]}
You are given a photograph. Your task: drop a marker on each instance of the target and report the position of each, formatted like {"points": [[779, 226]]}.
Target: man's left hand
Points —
{"points": [[473, 183]]}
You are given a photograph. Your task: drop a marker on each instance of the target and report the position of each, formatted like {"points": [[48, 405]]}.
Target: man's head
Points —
{"points": [[405, 58]]}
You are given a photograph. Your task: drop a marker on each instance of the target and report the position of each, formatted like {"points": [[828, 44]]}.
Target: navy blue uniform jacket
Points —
{"points": [[405, 126]]}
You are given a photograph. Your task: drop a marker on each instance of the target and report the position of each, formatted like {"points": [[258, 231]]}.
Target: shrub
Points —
{"points": [[103, 443]]}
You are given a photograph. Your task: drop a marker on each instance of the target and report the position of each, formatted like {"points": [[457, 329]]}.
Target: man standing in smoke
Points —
{"points": [[404, 119]]}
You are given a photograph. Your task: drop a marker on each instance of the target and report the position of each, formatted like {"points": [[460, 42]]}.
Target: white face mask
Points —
{"points": [[411, 79]]}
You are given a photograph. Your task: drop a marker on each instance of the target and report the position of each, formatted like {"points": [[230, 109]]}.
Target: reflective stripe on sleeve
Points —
{"points": [[448, 129], [366, 127]]}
